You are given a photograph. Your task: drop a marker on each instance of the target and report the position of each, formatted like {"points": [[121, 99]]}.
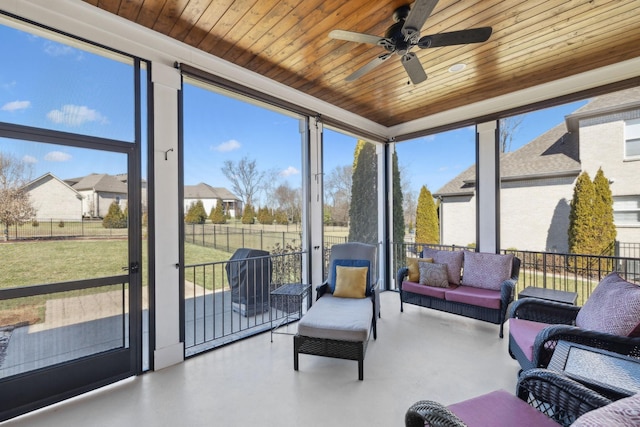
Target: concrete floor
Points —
{"points": [[419, 354]]}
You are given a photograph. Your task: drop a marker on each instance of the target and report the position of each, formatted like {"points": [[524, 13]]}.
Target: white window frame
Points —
{"points": [[632, 138], [625, 204]]}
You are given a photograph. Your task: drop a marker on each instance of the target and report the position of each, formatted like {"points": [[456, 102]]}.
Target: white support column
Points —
{"points": [[487, 187], [166, 84], [315, 201]]}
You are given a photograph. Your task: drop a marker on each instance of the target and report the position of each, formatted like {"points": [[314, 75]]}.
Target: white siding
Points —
{"points": [[53, 199], [459, 220]]}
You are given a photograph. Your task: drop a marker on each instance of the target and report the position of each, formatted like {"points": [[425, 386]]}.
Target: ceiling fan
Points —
{"points": [[404, 35]]}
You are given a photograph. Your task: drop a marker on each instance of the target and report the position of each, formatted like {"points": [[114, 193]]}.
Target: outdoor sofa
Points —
{"points": [[472, 284]]}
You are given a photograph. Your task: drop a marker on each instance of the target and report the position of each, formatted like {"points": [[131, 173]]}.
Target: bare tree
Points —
{"points": [[289, 200], [15, 206], [508, 129], [246, 179], [337, 192]]}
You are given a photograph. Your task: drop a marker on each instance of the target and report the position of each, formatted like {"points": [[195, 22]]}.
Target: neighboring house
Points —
{"points": [[537, 180], [98, 192], [209, 196], [53, 198]]}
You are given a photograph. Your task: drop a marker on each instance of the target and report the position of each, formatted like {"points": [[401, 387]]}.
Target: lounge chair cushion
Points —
{"points": [[524, 333], [500, 409], [432, 274], [351, 282], [414, 269], [335, 318], [613, 308], [453, 259], [486, 270]]}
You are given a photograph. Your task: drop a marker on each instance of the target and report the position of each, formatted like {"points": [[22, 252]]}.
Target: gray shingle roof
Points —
{"points": [[100, 182], [205, 191]]}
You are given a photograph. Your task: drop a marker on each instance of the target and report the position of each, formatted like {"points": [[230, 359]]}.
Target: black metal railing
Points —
{"points": [[567, 272], [221, 307]]}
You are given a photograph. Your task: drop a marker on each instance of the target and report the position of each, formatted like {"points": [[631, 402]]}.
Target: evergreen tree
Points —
{"points": [[196, 213], [603, 215], [427, 224], [114, 218], [264, 216], [363, 218], [248, 216], [217, 215], [398, 214], [281, 217], [581, 228]]}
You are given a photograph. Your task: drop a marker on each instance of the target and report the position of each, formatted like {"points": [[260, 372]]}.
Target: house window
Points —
{"points": [[632, 139], [626, 210]]}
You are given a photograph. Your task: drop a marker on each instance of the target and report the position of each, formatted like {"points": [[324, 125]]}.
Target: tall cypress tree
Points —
{"points": [[427, 224], [603, 215], [363, 218], [398, 214], [581, 227], [217, 214]]}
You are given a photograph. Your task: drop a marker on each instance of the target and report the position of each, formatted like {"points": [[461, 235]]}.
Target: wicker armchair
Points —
{"points": [[544, 398], [536, 326]]}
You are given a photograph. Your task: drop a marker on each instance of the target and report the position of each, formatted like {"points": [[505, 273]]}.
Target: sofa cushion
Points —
{"points": [[500, 409], [475, 296], [613, 308], [429, 291], [432, 274], [414, 268], [621, 413], [347, 319], [350, 263], [351, 282], [486, 270], [453, 259], [524, 333]]}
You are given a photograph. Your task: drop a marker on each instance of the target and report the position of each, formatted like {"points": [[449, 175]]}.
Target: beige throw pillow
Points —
{"points": [[414, 269], [433, 274]]}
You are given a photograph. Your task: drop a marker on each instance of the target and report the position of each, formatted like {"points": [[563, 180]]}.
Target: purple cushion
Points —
{"points": [[475, 296], [453, 259], [524, 333], [613, 308], [621, 413], [500, 409], [425, 290], [485, 270]]}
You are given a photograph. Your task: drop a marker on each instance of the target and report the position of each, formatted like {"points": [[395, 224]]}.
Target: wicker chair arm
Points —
{"points": [[506, 291], [403, 272], [321, 290], [547, 339], [543, 311], [433, 413], [557, 396]]}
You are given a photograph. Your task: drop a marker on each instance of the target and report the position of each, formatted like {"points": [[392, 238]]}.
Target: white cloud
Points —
{"points": [[16, 105], [57, 156], [289, 171], [10, 85], [230, 145], [29, 159], [57, 49], [76, 115]]}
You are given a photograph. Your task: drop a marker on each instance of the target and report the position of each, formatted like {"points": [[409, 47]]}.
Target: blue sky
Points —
{"points": [[81, 92]]}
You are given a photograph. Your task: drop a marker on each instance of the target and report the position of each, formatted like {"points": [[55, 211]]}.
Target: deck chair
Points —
{"points": [[344, 314]]}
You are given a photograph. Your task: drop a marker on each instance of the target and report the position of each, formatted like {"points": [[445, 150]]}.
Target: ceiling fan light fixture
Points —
{"points": [[456, 68]]}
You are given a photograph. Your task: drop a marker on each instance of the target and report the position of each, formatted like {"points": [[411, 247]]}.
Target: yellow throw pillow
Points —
{"points": [[414, 269], [351, 282]]}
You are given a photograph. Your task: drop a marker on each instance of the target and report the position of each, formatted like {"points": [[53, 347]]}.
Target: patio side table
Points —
{"points": [[290, 295], [549, 295]]}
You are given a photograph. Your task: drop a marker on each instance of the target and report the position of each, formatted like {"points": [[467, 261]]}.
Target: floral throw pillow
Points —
{"points": [[432, 274]]}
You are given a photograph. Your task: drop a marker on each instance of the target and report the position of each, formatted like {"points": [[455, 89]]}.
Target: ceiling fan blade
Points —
{"points": [[413, 67], [368, 67], [417, 17], [474, 35], [351, 36]]}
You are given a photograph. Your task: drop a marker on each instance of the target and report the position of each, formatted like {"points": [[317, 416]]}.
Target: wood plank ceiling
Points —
{"points": [[533, 42]]}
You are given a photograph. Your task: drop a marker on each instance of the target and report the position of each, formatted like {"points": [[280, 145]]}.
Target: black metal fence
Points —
{"points": [[229, 239], [213, 316], [52, 228], [567, 272]]}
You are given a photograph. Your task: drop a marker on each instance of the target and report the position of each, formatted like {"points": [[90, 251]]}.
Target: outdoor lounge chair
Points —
{"points": [[544, 398], [341, 320], [609, 320]]}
